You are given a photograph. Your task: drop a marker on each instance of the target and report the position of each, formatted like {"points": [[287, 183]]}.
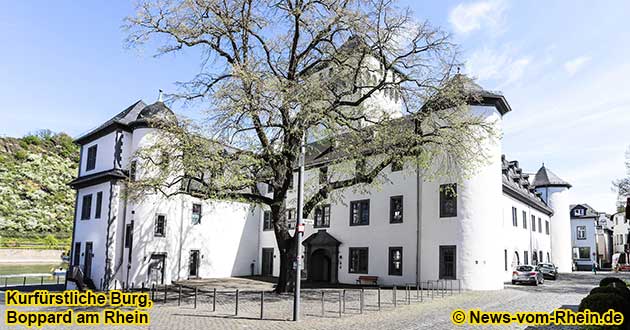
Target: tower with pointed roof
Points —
{"points": [[555, 192]]}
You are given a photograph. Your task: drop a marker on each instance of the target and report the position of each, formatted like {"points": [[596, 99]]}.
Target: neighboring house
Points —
{"points": [[604, 240], [407, 230], [584, 220], [620, 235]]}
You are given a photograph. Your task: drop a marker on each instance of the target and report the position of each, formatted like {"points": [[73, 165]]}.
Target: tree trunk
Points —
{"points": [[287, 257]]}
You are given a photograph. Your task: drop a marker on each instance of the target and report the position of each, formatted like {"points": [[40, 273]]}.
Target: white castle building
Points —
{"points": [[409, 230]]}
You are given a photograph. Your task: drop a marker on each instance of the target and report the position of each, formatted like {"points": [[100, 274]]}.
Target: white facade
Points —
{"points": [[471, 236], [584, 237]]}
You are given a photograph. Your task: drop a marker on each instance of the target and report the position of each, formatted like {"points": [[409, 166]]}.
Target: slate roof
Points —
{"points": [[545, 178], [136, 114], [321, 238], [590, 211], [516, 184]]}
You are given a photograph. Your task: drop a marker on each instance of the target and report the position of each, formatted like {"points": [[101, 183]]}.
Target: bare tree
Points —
{"points": [[622, 186], [362, 76]]}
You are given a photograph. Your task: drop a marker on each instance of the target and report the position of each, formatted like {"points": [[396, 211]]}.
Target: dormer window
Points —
{"points": [[90, 164], [578, 212]]}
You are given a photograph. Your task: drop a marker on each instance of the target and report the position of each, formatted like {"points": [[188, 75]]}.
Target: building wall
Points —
{"points": [[589, 224], [104, 154], [558, 199]]}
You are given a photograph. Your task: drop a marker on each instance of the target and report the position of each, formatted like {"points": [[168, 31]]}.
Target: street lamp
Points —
{"points": [[299, 232]]}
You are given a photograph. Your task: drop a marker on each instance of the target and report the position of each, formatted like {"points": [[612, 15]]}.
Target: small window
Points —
{"points": [[269, 188], [196, 214], [540, 256], [267, 224], [397, 165], [160, 225], [132, 170], [514, 217], [358, 260], [583, 252], [129, 235], [86, 207], [99, 205], [525, 219], [360, 213], [533, 223], [323, 175], [291, 220], [291, 181], [91, 158], [396, 209], [581, 232], [540, 225], [396, 261], [578, 212], [77, 254], [322, 216], [448, 200]]}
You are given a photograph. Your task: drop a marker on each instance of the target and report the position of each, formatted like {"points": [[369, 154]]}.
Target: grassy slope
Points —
{"points": [[36, 204]]}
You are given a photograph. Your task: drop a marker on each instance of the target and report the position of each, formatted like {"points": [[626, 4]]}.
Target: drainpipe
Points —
{"points": [[179, 256]]}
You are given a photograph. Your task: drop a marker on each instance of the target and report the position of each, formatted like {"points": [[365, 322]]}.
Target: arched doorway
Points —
{"points": [[320, 265], [515, 260]]}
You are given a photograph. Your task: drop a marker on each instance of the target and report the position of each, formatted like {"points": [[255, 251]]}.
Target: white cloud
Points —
{"points": [[467, 17], [503, 67], [574, 65]]}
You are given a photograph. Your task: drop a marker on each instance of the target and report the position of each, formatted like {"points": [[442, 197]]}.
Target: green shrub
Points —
{"points": [[622, 291], [51, 241], [602, 302], [609, 280], [20, 155]]}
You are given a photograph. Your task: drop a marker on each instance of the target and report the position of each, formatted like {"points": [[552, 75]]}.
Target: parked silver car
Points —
{"points": [[549, 271], [527, 274]]}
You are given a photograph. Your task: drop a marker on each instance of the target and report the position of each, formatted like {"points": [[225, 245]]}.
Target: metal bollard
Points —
{"points": [[408, 294], [361, 300], [379, 298], [339, 292], [344, 300], [165, 292], [57, 279], [459, 286], [262, 304], [24, 283], [236, 307], [179, 298], [195, 301], [5, 281], [153, 291], [214, 299], [142, 289], [394, 295], [323, 311]]}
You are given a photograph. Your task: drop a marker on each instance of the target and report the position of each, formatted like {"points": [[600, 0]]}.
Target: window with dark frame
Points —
{"points": [[267, 224], [77, 254], [196, 214], [581, 232], [547, 227], [291, 181], [358, 263], [99, 205], [269, 188], [396, 261], [397, 165], [160, 225], [448, 262], [291, 220], [448, 200], [525, 219], [322, 216], [360, 213], [533, 223], [90, 164], [129, 235], [86, 207], [539, 225], [323, 174], [540, 256], [396, 209], [514, 217]]}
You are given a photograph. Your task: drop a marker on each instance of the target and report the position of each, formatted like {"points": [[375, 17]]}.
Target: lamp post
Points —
{"points": [[299, 232]]}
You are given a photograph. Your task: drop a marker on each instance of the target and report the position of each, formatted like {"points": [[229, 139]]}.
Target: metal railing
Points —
{"points": [[18, 280]]}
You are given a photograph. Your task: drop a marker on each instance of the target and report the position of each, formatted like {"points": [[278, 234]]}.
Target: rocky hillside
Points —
{"points": [[34, 196]]}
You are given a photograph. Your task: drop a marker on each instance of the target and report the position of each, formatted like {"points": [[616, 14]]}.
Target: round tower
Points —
{"points": [[555, 192]]}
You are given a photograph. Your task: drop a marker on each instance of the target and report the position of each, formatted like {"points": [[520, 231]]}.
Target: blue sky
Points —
{"points": [[563, 66]]}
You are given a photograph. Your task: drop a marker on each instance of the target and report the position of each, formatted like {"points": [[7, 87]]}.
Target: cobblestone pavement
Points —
{"points": [[433, 313]]}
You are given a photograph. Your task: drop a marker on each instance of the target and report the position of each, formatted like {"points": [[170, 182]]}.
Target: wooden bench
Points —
{"points": [[373, 280]]}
